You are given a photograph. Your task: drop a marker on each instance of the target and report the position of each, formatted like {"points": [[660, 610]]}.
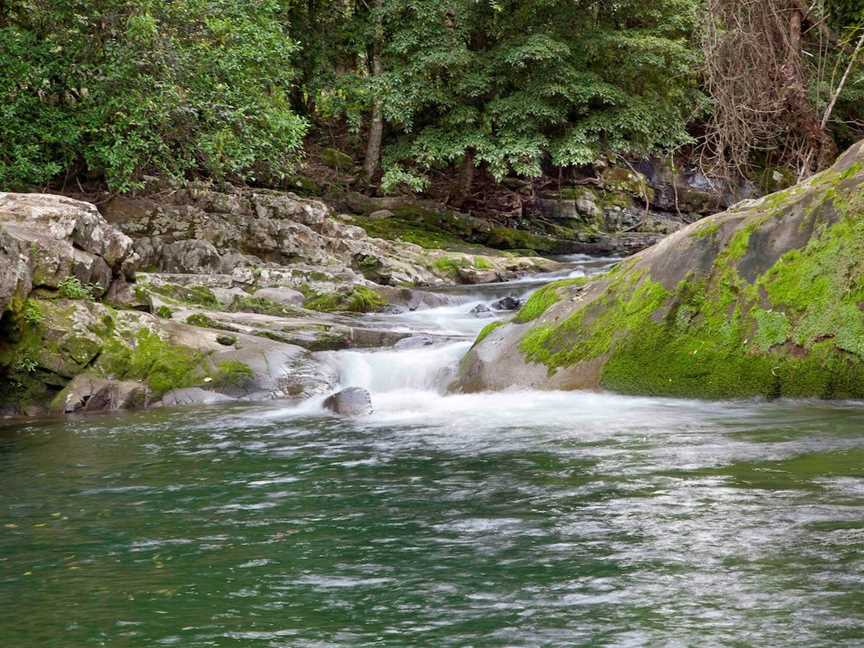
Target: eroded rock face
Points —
{"points": [[353, 401], [46, 239], [201, 231], [761, 300]]}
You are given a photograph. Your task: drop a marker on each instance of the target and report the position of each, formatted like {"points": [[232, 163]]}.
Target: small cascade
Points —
{"points": [[407, 377], [427, 368]]}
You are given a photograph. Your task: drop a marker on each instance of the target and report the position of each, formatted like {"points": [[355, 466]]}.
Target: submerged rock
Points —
{"points": [[353, 401], [764, 299], [481, 311]]}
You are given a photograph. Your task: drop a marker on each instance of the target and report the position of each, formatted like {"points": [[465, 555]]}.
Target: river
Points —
{"points": [[515, 519]]}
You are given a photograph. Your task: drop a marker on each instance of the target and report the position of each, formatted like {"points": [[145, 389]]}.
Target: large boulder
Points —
{"points": [[46, 239], [94, 394], [764, 299]]}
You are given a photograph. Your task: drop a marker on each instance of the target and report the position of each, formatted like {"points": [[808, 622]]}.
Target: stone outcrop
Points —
{"points": [[764, 299], [255, 233], [45, 240]]}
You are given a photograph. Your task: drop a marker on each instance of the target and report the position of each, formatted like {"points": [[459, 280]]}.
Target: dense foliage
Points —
{"points": [[113, 90]]}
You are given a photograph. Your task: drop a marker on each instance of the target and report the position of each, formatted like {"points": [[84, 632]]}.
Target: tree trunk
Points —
{"points": [[376, 126], [466, 179], [822, 147]]}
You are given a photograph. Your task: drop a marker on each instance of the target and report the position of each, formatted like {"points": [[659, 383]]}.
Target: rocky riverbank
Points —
{"points": [[199, 296], [764, 299]]}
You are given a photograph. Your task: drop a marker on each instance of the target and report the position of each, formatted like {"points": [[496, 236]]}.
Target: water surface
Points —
{"points": [[492, 520]]}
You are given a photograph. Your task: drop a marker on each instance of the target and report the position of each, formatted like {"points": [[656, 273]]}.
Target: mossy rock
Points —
{"points": [[763, 300], [357, 299], [336, 159], [620, 179], [195, 295]]}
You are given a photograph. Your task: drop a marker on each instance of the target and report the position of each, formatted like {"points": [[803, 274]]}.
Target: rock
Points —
{"points": [[282, 296], [226, 296], [93, 394], [475, 276], [381, 214], [123, 294], [336, 159], [353, 401], [45, 240], [16, 280], [226, 340], [415, 342], [761, 300], [65, 219], [193, 396], [508, 303], [481, 310]]}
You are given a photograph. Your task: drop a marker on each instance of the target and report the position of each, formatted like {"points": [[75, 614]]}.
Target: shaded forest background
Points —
{"points": [[420, 95]]}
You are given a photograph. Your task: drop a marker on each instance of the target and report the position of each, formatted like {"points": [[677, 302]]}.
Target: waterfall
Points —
{"points": [[428, 368]]}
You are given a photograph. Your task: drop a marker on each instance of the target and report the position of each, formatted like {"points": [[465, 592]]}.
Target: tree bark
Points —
{"points": [[376, 125], [466, 179]]}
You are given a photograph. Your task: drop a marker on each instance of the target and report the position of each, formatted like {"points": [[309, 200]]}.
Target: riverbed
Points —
{"points": [[513, 519]]}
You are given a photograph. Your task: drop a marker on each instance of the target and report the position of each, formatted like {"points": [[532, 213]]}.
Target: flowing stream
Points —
{"points": [[511, 519]]}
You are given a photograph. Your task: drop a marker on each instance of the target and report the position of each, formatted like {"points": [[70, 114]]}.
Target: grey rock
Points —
{"points": [[353, 401], [93, 394], [508, 303], [283, 296], [226, 296], [381, 214], [193, 396], [481, 310], [415, 342], [65, 219]]}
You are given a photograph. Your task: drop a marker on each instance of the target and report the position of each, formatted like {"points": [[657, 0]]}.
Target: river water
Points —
{"points": [[516, 519]]}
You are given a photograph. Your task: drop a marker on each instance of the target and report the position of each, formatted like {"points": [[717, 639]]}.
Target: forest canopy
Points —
{"points": [[110, 91]]}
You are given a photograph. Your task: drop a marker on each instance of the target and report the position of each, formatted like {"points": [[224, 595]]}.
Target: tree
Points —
{"points": [[776, 70], [114, 89], [509, 84]]}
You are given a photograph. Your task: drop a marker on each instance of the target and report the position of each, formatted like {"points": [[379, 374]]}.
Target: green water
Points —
{"points": [[510, 520]]}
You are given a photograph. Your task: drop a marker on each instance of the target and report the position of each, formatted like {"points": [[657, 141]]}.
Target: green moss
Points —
{"points": [[481, 263], [336, 159], [162, 365], [198, 295], [359, 299], [589, 332], [487, 331], [772, 329], [449, 266], [263, 306], [164, 312], [233, 373], [544, 298], [706, 231], [426, 235]]}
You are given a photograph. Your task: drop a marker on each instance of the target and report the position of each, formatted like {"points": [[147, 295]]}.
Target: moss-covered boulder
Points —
{"points": [[764, 300]]}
